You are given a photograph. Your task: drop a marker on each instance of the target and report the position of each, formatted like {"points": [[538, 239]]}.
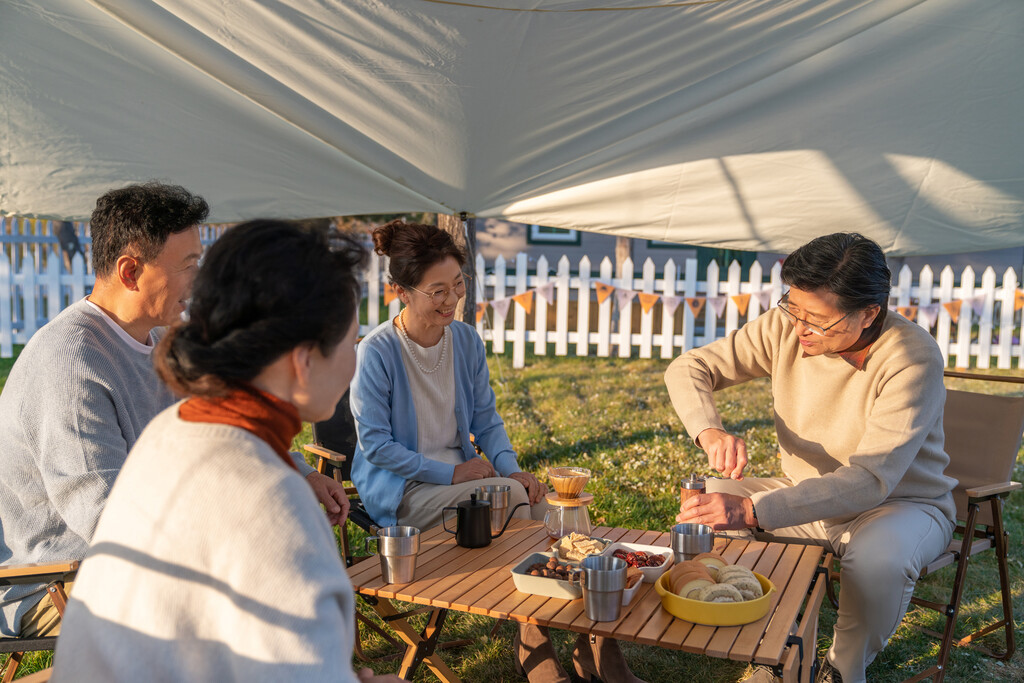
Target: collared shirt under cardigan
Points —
{"points": [[382, 404]]}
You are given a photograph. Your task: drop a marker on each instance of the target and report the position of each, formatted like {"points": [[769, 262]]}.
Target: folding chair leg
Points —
{"points": [[12, 666]]}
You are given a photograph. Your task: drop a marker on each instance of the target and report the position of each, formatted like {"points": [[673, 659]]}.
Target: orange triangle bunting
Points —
{"points": [[953, 308], [603, 291], [696, 305], [647, 301], [1018, 299], [481, 308], [389, 293], [741, 301], [525, 300], [908, 312]]}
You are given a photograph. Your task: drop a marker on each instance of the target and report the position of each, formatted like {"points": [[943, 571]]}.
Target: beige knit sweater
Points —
{"points": [[849, 439], [212, 561]]}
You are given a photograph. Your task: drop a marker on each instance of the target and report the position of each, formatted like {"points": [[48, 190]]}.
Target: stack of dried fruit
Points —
{"points": [[640, 558]]}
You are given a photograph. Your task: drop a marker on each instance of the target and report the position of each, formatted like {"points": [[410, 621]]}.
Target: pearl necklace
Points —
{"points": [[416, 359]]}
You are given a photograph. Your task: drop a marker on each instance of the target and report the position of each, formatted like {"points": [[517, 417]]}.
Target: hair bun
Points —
{"points": [[384, 236]]}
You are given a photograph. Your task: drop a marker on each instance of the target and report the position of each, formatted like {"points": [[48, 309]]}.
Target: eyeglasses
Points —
{"points": [[439, 296], [783, 306]]}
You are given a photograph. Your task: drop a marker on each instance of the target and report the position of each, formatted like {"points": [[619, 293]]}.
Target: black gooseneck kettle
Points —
{"points": [[473, 522]]}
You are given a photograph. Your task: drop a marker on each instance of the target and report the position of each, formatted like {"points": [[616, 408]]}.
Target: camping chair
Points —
{"points": [[53, 575], [983, 437]]}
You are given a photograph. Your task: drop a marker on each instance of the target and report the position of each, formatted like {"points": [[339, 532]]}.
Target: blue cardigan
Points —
{"points": [[385, 416]]}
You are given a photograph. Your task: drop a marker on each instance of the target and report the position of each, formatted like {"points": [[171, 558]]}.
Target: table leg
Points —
{"points": [[420, 646]]}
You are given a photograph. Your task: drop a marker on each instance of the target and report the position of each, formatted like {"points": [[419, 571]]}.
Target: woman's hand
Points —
{"points": [[726, 453], [474, 468], [720, 511], [331, 494], [534, 489]]}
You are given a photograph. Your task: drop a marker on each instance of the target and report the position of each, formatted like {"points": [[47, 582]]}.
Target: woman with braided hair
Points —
{"points": [[212, 560]]}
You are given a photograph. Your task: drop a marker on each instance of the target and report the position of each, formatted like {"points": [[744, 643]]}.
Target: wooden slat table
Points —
{"points": [[479, 581]]}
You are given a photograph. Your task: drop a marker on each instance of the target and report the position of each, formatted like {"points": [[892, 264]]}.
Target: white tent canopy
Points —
{"points": [[751, 124]]}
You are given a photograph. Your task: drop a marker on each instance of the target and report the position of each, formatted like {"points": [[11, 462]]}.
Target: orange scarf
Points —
{"points": [[268, 417]]}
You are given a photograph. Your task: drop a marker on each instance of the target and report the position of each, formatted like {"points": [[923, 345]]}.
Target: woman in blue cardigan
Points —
{"points": [[421, 389]]}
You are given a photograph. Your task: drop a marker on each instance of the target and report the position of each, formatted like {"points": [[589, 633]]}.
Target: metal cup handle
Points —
{"points": [[366, 543], [444, 520]]}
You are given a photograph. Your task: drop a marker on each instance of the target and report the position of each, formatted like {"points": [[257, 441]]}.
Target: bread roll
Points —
{"points": [[720, 592], [687, 577], [734, 570], [712, 561], [748, 586], [690, 565]]}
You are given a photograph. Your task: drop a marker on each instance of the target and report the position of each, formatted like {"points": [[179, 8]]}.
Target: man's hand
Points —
{"points": [[474, 468], [534, 489], [331, 495], [726, 453], [720, 511]]}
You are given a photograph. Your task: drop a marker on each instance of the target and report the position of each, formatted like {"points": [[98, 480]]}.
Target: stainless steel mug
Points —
{"points": [[690, 540], [603, 579], [498, 496], [397, 547]]}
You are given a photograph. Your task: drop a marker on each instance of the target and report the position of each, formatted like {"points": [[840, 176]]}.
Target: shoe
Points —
{"points": [[828, 673], [760, 674], [597, 659], [535, 656]]}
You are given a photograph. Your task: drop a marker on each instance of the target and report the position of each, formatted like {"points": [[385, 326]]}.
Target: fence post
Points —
{"points": [[562, 307], [924, 298], [988, 290], [498, 329], [540, 309], [583, 309], [6, 318], [647, 318], [963, 325], [690, 291], [755, 288], [710, 316], [54, 296], [626, 312], [29, 296], [604, 313], [519, 326], [1007, 298], [943, 326], [732, 288], [668, 320]]}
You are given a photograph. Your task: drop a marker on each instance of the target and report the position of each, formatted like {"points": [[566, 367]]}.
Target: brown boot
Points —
{"points": [[535, 656], [596, 658]]}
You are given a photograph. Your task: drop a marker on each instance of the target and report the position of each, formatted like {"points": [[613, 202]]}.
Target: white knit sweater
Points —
{"points": [[212, 561]]}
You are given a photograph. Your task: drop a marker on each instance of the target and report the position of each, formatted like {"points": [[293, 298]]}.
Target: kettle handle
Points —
{"points": [[444, 520], [507, 520]]}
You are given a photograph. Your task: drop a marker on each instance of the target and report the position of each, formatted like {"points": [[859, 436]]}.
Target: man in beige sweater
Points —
{"points": [[858, 399]]}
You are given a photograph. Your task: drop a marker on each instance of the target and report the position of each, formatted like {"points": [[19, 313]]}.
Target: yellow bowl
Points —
{"points": [[715, 613]]}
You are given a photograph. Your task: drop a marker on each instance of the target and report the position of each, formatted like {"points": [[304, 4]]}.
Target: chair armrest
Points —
{"points": [[36, 572], [990, 490], [326, 453]]}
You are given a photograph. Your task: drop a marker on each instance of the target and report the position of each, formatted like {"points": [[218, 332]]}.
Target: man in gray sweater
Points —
{"points": [[83, 388]]}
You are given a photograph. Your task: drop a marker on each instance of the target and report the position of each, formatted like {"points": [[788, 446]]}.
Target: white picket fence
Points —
{"points": [[987, 332]]}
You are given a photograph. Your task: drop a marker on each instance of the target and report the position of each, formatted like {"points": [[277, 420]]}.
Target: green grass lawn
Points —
{"points": [[613, 416]]}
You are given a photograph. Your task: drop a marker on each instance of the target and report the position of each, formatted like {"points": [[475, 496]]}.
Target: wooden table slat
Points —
{"points": [[788, 609]]}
